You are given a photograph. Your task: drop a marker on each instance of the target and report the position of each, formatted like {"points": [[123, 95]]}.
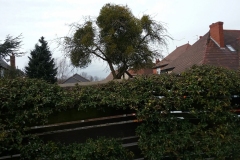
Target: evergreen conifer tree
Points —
{"points": [[41, 64]]}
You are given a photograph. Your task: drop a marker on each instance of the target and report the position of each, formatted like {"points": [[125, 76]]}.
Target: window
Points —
{"points": [[230, 48], [158, 70]]}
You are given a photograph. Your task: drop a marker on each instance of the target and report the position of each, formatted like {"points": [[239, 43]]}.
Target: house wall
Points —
{"points": [[154, 71]]}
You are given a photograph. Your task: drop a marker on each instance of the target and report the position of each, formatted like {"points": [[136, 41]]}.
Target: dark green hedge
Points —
{"points": [[210, 127], [100, 149], [24, 103]]}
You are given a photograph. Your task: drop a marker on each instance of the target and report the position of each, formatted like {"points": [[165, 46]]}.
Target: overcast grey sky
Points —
{"points": [[185, 20]]}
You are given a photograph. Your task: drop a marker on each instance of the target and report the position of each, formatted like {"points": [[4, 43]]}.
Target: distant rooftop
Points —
{"points": [[3, 63], [76, 78]]}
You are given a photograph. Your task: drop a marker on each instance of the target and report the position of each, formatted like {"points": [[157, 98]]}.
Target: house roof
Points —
{"points": [[110, 76], [3, 63], [75, 79], [193, 55], [144, 71], [224, 57], [207, 51], [173, 55]]}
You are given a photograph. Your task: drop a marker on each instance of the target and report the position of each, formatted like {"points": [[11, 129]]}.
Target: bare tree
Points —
{"points": [[84, 74], [64, 69], [96, 78], [90, 78]]}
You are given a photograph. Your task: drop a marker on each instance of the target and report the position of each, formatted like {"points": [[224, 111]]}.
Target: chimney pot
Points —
{"points": [[216, 33]]}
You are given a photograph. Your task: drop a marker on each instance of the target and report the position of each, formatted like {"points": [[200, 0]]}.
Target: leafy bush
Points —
{"points": [[100, 149], [210, 129], [24, 103]]}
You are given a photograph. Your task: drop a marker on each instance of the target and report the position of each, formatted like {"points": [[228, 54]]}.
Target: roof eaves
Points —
{"points": [[161, 65], [167, 69]]}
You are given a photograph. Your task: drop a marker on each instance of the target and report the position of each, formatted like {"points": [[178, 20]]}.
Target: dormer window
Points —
{"points": [[230, 48]]}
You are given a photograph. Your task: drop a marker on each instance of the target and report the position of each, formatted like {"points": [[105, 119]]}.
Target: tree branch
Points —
{"points": [[99, 56]]}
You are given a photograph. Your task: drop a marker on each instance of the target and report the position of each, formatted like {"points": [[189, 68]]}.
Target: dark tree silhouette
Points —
{"points": [[41, 64]]}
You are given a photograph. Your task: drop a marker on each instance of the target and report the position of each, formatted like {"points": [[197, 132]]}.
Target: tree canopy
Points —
{"points": [[117, 37], [11, 46], [41, 64]]}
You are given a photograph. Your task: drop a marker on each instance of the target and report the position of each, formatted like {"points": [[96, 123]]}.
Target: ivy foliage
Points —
{"points": [[208, 126], [25, 103], [100, 149]]}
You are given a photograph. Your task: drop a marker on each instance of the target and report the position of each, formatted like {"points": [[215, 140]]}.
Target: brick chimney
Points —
{"points": [[216, 33], [12, 61], [157, 60]]}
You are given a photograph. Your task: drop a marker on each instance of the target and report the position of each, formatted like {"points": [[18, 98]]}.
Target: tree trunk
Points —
{"points": [[121, 71], [117, 74], [112, 70]]}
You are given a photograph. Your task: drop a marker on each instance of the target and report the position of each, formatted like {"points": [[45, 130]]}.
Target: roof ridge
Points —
{"points": [[70, 77], [184, 45], [66, 79], [81, 76], [205, 50], [189, 45]]}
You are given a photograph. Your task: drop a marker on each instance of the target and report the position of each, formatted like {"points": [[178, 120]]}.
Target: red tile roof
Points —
{"points": [[173, 55], [232, 37], [110, 76], [223, 56], [194, 55], [206, 51], [144, 71]]}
